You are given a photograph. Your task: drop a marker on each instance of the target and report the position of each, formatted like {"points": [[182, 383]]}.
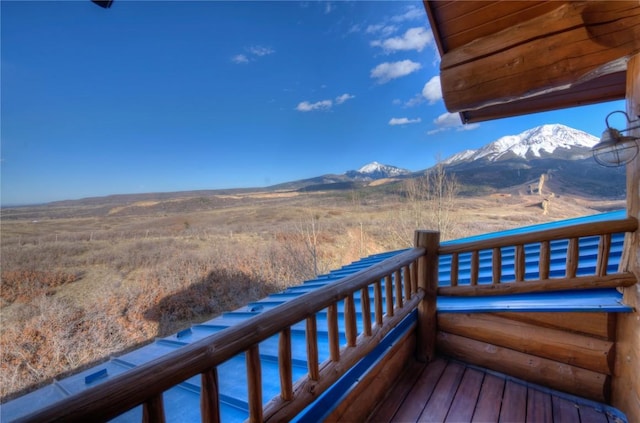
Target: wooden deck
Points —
{"points": [[450, 391]]}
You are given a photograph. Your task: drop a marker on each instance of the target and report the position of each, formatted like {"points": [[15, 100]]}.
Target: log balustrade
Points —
{"points": [[388, 292], [404, 280], [542, 281]]}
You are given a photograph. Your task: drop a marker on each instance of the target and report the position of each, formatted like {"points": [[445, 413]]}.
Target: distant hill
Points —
{"points": [[351, 179], [512, 164]]}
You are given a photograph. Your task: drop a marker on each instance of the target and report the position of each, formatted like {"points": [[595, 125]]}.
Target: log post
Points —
{"points": [[285, 365], [350, 323], [573, 254], [545, 259], [398, 285], [520, 263], [388, 293], [604, 247], [428, 282], [475, 267], [366, 311], [209, 401], [377, 300], [407, 282], [312, 347], [153, 410], [414, 277], [334, 334], [454, 269], [254, 383], [496, 265], [626, 384]]}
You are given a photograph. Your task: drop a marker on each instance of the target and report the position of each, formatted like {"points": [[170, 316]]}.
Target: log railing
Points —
{"points": [[388, 292], [540, 240], [404, 279]]}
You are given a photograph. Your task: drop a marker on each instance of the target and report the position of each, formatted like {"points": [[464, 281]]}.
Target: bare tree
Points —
{"points": [[310, 230], [428, 203], [442, 192]]}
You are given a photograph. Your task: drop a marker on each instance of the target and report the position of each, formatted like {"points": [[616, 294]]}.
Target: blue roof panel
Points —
{"points": [[603, 300]]}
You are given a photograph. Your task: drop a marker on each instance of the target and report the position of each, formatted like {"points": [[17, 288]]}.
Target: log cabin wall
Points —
{"points": [[626, 383], [568, 351], [375, 385]]}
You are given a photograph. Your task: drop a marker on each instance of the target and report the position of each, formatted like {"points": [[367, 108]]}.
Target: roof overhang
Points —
{"points": [[508, 58]]}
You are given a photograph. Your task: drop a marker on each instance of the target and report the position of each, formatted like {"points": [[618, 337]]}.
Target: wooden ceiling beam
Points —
{"points": [[607, 88], [578, 41]]}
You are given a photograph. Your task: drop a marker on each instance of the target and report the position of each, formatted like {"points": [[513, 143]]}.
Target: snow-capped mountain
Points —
{"points": [[509, 163], [538, 142], [375, 170]]}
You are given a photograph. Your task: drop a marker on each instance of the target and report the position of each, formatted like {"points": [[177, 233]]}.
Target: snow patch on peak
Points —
{"points": [[371, 167], [530, 144], [459, 157], [375, 170]]}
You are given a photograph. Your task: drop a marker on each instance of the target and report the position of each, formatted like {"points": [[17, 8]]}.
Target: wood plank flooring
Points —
{"points": [[451, 392]]}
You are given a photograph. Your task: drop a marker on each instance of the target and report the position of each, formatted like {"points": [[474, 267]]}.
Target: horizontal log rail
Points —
{"points": [[572, 234], [145, 384]]}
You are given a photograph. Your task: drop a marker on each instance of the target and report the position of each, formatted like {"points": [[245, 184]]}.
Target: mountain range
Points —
{"points": [[513, 163], [557, 141], [375, 170], [509, 164]]}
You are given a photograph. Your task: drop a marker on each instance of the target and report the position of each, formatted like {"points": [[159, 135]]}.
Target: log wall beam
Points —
{"points": [[596, 325], [558, 345], [577, 42], [543, 371], [544, 285]]}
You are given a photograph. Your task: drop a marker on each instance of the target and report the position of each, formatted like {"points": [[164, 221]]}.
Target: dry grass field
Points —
{"points": [[82, 281]]}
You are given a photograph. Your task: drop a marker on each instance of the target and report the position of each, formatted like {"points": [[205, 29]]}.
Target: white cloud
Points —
{"points": [[412, 13], [344, 97], [328, 8], [448, 121], [240, 58], [254, 52], [413, 39], [469, 127], [381, 29], [432, 90], [414, 101], [403, 121], [260, 51], [387, 71], [354, 28], [305, 106]]}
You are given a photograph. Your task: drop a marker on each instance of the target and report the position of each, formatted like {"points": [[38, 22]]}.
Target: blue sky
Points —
{"points": [[157, 96]]}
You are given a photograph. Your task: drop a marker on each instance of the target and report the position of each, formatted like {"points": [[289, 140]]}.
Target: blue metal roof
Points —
{"points": [[182, 401]]}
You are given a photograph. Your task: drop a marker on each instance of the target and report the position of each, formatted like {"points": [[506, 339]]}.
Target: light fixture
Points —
{"points": [[615, 149]]}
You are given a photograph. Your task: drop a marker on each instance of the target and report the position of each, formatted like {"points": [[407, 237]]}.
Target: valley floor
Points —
{"points": [[83, 281]]}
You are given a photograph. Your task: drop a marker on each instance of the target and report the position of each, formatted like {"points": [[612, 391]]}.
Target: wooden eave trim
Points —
{"points": [[534, 58], [463, 21], [435, 27], [608, 88]]}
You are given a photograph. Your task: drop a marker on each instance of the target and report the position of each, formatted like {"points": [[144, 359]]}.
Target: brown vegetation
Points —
{"points": [[80, 284]]}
